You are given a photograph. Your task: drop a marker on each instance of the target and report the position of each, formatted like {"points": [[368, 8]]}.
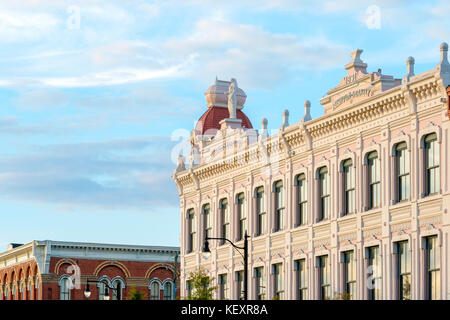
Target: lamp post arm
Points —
{"points": [[240, 248]]}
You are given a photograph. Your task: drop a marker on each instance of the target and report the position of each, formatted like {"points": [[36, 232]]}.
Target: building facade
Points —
{"points": [[352, 204], [56, 270]]}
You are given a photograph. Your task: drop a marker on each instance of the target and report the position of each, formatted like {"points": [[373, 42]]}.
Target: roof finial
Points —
{"points": [[307, 115], [285, 118], [409, 68], [443, 66]]}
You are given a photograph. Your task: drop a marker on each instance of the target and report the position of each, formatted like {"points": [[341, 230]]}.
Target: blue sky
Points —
{"points": [[92, 91]]}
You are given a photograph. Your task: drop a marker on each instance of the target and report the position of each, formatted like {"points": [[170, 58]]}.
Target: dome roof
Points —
{"points": [[217, 95], [209, 121]]}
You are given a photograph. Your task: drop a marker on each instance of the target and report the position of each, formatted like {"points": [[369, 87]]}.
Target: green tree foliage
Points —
{"points": [[201, 286], [135, 294]]}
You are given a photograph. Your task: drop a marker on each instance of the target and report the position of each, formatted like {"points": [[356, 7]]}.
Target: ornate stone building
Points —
{"points": [[355, 201], [56, 270]]}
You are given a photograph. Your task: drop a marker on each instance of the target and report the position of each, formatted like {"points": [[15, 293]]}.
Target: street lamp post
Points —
{"points": [[87, 290], [207, 252]]}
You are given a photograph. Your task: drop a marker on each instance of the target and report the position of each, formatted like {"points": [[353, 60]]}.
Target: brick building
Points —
{"points": [[56, 270]]}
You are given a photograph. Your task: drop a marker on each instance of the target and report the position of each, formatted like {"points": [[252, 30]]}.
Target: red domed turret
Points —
{"points": [[217, 98]]}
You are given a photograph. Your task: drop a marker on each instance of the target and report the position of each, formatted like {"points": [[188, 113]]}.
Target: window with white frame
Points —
{"points": [[65, 284], [432, 268], [431, 148], [167, 290], [324, 278], [302, 276], [374, 273], [155, 290], [302, 200], [279, 206], [260, 211], [192, 231], [207, 223], [223, 287], [240, 285], [242, 216], [102, 289], [403, 270], [225, 220], [373, 170], [350, 273], [324, 193], [118, 284], [349, 186], [260, 283], [277, 272], [402, 169]]}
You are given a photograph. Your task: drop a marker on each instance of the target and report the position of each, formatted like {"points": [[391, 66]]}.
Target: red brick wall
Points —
{"points": [[92, 269]]}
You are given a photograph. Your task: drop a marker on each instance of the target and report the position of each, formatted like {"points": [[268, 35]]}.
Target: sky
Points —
{"points": [[96, 95]]}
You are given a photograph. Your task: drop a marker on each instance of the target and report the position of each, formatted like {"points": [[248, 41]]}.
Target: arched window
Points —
{"points": [[119, 285], [29, 289], [324, 193], [103, 284], [65, 285], [155, 290], [431, 157], [37, 289], [402, 171], [167, 290], [7, 293], [14, 291], [279, 206], [22, 291], [373, 171]]}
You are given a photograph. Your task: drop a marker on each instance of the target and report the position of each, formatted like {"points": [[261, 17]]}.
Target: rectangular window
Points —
{"points": [[402, 166], [225, 218], [279, 206], [374, 179], [404, 270], [349, 186], [302, 200], [324, 186], [433, 270], [242, 215], [192, 231], [260, 211], [431, 163], [223, 287], [302, 279], [260, 283], [207, 220], [350, 274], [374, 273], [240, 285], [277, 271], [324, 278]]}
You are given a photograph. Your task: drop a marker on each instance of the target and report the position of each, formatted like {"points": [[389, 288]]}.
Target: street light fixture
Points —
{"points": [[106, 296], [207, 253]]}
